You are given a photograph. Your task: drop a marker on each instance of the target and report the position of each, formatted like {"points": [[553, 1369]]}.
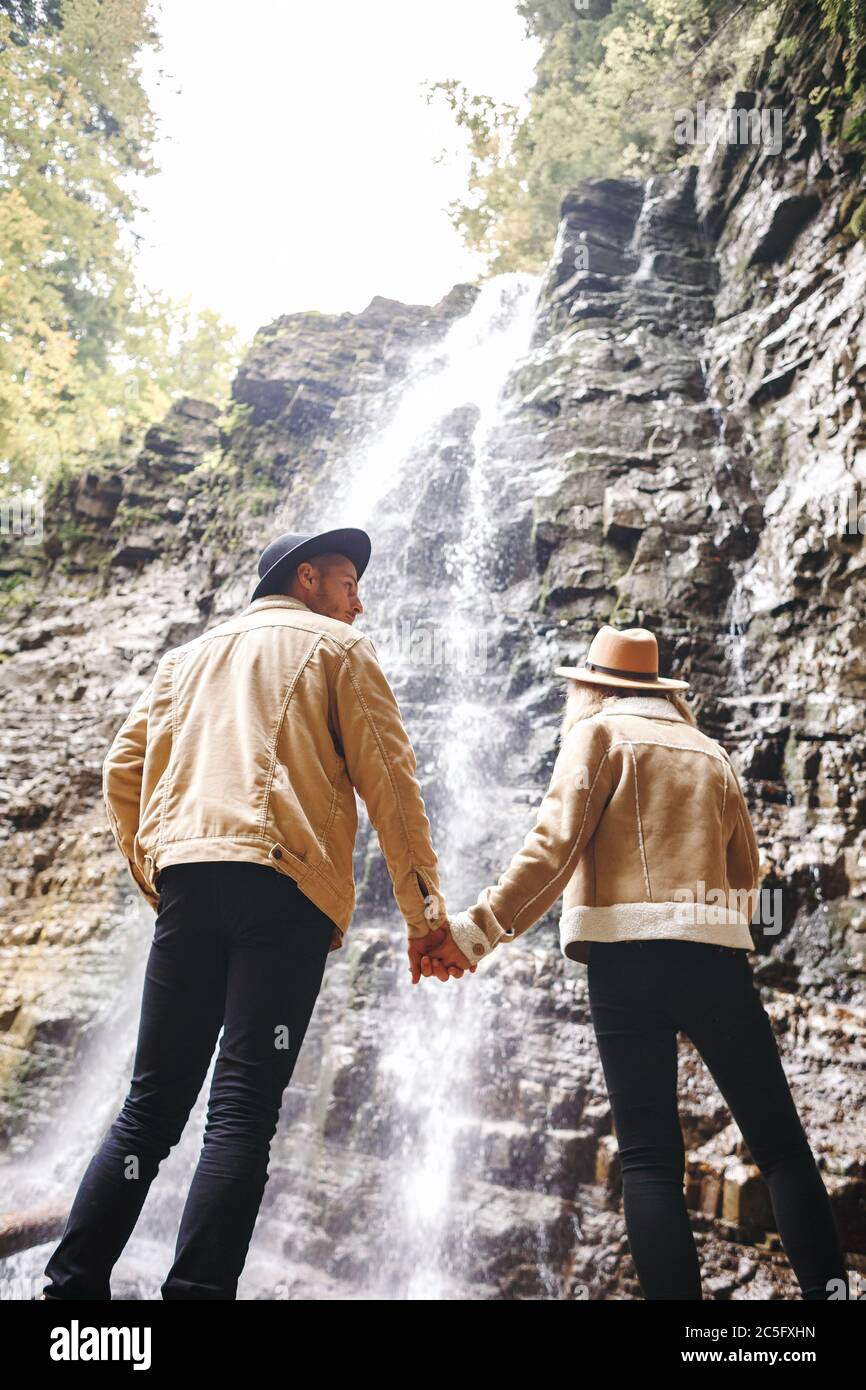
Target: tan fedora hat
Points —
{"points": [[628, 658]]}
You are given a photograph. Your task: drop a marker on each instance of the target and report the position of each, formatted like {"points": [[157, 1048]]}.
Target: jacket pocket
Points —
{"points": [[431, 902]]}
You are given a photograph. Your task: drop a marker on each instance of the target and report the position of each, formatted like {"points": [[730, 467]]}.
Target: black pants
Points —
{"points": [[642, 993], [236, 946]]}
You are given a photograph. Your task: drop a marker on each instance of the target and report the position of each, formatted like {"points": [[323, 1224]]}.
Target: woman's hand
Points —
{"points": [[445, 961]]}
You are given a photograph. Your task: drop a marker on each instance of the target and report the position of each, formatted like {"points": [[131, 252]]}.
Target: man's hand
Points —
{"points": [[437, 954], [440, 956], [419, 946]]}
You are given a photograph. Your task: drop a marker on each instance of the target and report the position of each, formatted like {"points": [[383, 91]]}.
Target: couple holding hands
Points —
{"points": [[230, 792]]}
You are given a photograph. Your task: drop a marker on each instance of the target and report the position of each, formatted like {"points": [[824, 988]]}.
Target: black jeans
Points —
{"points": [[642, 993], [236, 946]]}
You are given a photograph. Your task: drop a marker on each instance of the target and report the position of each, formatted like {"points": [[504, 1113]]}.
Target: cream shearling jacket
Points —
{"points": [[644, 831], [250, 742]]}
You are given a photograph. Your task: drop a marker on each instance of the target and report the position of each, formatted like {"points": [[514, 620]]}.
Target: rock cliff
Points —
{"points": [[679, 442]]}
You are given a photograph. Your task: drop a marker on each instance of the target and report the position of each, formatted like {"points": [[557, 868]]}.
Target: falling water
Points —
{"points": [[739, 615], [483, 352], [428, 1035], [49, 1171], [468, 367], [427, 1057]]}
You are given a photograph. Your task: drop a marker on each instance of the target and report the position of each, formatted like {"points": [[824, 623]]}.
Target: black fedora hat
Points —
{"points": [[290, 549]]}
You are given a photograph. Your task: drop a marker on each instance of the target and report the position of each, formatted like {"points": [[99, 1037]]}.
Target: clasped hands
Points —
{"points": [[437, 954]]}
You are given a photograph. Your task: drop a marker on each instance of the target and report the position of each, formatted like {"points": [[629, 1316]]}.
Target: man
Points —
{"points": [[230, 791]]}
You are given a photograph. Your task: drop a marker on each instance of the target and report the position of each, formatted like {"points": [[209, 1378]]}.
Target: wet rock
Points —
{"points": [[679, 448], [137, 549], [745, 1198], [187, 433], [97, 495]]}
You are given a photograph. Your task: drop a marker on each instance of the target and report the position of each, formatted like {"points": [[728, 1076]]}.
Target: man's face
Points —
{"points": [[332, 592]]}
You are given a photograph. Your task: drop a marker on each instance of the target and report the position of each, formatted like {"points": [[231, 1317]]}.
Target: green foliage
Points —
{"points": [[843, 107], [131, 517], [857, 226], [786, 49], [169, 351], [607, 85], [847, 17], [855, 128], [87, 358], [234, 416]]}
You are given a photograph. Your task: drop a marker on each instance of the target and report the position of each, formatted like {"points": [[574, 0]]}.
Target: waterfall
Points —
{"points": [[738, 622], [480, 353], [427, 1037], [468, 367], [428, 1057], [48, 1173]]}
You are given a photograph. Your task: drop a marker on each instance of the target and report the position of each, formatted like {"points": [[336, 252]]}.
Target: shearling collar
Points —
{"points": [[653, 706]]}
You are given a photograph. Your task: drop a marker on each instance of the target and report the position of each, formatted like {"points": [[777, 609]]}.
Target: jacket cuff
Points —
{"points": [[470, 939]]}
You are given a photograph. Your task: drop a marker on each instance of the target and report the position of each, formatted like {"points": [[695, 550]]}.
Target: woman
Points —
{"points": [[645, 832]]}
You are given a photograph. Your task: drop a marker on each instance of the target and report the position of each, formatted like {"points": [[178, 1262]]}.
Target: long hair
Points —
{"points": [[583, 700]]}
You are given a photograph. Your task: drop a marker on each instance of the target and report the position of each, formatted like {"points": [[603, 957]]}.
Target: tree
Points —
{"points": [[85, 355], [606, 85]]}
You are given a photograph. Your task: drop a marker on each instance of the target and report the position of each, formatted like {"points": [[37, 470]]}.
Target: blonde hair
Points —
{"points": [[583, 700]]}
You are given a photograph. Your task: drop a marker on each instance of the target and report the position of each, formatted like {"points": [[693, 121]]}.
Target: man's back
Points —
{"points": [[252, 739]]}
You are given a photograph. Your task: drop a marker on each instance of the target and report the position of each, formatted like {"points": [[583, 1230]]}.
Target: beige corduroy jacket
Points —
{"points": [[644, 831], [250, 742]]}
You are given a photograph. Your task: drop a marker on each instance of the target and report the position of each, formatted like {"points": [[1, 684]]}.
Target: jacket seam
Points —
{"points": [[170, 764], [602, 761], [331, 812], [725, 838], [753, 863], [660, 743], [240, 631], [646, 878], [272, 755], [227, 835], [386, 760], [640, 714], [415, 868]]}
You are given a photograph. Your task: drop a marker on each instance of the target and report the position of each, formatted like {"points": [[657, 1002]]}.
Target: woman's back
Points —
{"points": [[645, 833], [673, 851]]}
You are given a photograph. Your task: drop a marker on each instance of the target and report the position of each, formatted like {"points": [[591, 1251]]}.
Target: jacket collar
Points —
{"points": [[275, 601], [653, 706]]}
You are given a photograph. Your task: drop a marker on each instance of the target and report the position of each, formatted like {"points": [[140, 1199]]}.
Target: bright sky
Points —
{"points": [[297, 149]]}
